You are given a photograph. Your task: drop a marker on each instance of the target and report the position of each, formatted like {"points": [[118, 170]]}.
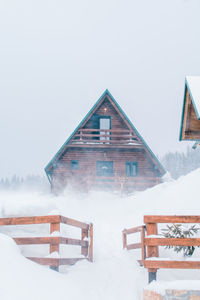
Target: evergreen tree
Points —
{"points": [[179, 163], [30, 182], [178, 231]]}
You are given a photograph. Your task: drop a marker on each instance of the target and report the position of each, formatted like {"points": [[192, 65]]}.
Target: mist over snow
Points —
{"points": [[115, 272], [56, 60], [58, 57]]}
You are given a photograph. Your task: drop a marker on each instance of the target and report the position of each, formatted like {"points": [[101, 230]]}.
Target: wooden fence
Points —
{"points": [[149, 245], [55, 241]]}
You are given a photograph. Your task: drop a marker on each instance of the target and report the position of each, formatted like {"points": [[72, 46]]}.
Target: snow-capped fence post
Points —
{"points": [[84, 249], [152, 251], [142, 236], [54, 247]]}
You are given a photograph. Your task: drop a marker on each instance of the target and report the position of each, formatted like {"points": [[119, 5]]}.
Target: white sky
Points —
{"points": [[58, 57]]}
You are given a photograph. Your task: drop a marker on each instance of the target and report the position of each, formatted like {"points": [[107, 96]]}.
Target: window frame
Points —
{"points": [[96, 125], [76, 163], [130, 164], [104, 117], [98, 169]]}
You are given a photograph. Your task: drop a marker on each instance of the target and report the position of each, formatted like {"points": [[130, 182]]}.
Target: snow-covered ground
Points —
{"points": [[115, 274]]}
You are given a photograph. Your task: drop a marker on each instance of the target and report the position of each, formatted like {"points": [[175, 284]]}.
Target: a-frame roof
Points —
{"points": [[87, 117], [190, 122]]}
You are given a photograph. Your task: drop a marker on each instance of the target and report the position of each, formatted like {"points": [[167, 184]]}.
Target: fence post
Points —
{"points": [[124, 239], [84, 249], [91, 243], [152, 275], [54, 246], [152, 251], [143, 244]]}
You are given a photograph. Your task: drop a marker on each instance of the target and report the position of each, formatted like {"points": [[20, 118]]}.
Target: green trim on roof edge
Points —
{"points": [[118, 106], [183, 109]]}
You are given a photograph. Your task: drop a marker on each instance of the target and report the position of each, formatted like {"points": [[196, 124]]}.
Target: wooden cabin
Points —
{"points": [[190, 123], [105, 151]]}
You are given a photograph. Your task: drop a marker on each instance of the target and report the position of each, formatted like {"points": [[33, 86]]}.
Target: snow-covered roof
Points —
{"points": [[193, 85]]}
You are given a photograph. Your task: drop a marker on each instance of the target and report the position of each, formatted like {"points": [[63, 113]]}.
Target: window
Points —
{"points": [[104, 168], [74, 164], [131, 169], [104, 123]]}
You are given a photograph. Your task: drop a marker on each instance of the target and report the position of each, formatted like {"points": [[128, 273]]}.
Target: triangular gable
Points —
{"points": [[108, 104], [124, 118], [193, 85], [190, 122]]}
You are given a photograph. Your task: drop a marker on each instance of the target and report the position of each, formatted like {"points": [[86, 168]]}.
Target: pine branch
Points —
{"points": [[178, 231]]}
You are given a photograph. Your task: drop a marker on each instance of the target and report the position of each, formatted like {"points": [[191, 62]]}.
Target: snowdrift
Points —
{"points": [[115, 273]]}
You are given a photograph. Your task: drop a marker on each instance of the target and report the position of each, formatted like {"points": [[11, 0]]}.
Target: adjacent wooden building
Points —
{"points": [[190, 123], [105, 151]]}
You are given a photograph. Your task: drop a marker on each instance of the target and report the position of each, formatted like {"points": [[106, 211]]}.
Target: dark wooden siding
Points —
{"points": [[87, 166], [106, 109], [191, 125]]}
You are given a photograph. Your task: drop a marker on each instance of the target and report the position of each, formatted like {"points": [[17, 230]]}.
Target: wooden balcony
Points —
{"points": [[90, 137]]}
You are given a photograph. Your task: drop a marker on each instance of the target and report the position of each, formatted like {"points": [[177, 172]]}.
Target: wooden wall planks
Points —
{"points": [[87, 165], [191, 125]]}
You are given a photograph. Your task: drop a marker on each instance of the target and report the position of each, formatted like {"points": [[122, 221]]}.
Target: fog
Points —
{"points": [[58, 57]]}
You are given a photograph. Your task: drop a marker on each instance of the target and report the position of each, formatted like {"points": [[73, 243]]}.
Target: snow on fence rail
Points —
{"points": [[149, 245], [55, 241]]}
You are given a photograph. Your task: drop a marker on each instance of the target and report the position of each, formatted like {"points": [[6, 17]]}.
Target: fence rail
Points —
{"points": [[171, 219], [55, 241], [149, 245]]}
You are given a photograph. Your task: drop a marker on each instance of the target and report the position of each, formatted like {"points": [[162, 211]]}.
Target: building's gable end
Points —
{"points": [[127, 122], [190, 122]]}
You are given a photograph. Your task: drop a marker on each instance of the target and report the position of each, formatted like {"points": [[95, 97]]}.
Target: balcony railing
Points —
{"points": [[105, 136]]}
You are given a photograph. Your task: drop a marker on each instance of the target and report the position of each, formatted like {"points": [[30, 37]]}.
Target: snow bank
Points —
{"points": [[23, 279], [115, 272]]}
